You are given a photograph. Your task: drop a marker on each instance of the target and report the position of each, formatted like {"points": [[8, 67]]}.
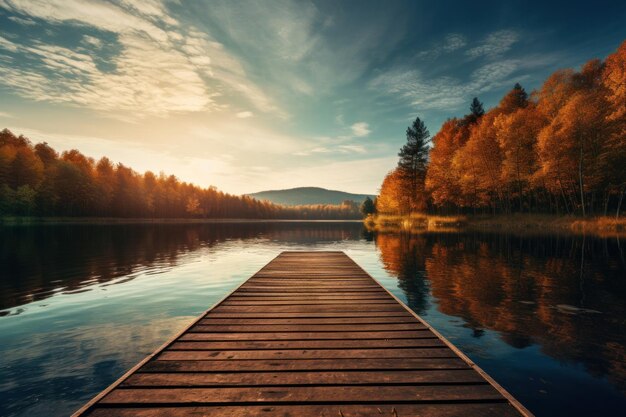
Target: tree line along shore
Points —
{"points": [[557, 153], [36, 182]]}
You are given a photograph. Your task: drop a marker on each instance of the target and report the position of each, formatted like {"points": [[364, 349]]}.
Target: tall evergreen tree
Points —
{"points": [[515, 99], [412, 164], [368, 207], [476, 108]]}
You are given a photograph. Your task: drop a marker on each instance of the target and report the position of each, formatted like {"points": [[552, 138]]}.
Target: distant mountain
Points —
{"points": [[308, 195]]}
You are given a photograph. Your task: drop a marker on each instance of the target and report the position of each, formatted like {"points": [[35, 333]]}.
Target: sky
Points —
{"points": [[256, 95]]}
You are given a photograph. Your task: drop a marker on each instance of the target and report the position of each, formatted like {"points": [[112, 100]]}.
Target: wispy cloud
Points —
{"points": [[307, 52], [451, 42], [22, 21], [92, 41], [244, 114], [340, 144], [161, 67], [334, 149], [360, 129], [494, 44], [8, 45], [6, 115], [316, 150], [444, 92], [147, 80], [454, 41], [353, 148]]}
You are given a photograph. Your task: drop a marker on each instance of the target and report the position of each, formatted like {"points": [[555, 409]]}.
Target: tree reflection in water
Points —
{"points": [[566, 294]]}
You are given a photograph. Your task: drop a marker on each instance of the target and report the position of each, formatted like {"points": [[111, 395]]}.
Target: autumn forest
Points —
{"points": [[559, 150], [36, 180]]}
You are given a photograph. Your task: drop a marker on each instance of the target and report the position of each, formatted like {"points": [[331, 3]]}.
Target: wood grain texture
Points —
{"points": [[310, 334], [345, 410]]}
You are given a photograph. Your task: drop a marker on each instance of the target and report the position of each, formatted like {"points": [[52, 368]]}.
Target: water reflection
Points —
{"points": [[82, 304], [404, 256], [38, 262], [545, 316], [565, 294]]}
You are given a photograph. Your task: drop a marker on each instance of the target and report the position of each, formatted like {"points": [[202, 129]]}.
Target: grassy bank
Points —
{"points": [[601, 226]]}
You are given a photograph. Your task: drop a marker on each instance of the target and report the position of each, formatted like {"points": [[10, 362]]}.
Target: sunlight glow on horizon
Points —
{"points": [[269, 95]]}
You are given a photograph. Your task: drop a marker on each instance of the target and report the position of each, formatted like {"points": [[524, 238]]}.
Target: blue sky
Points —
{"points": [[253, 95]]}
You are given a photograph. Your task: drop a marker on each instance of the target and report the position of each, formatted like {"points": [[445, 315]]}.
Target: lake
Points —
{"points": [[544, 315]]}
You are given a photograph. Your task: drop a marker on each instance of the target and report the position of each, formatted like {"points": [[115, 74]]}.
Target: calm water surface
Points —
{"points": [[79, 305]]}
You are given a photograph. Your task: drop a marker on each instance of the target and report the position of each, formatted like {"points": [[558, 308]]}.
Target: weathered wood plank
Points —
{"points": [[339, 303], [304, 378], [289, 289], [292, 354], [210, 320], [339, 308], [242, 328], [338, 394], [347, 410], [310, 297], [307, 344], [310, 334], [408, 334], [303, 365], [307, 315]]}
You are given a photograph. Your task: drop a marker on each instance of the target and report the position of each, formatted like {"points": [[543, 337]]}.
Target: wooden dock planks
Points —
{"points": [[310, 334]]}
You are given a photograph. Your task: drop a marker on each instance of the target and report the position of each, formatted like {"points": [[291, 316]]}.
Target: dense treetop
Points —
{"points": [[561, 149], [36, 180]]}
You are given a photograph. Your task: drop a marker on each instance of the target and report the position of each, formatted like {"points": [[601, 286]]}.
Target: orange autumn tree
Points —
{"points": [[563, 149], [393, 198], [516, 133], [37, 181], [614, 80], [571, 145], [480, 160], [442, 179]]}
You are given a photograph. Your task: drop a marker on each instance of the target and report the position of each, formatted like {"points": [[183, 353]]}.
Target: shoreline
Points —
{"points": [[516, 223], [36, 221]]}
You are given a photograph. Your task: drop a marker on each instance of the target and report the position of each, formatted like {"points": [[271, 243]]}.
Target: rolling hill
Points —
{"points": [[308, 195]]}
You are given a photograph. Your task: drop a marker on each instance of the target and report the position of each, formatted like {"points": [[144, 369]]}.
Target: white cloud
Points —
{"points": [[6, 115], [286, 26], [451, 43], [244, 114], [444, 92], [104, 16], [162, 68], [353, 148], [316, 150], [154, 9], [340, 149], [22, 21], [454, 41], [8, 45], [147, 80], [360, 129], [298, 48], [337, 144], [494, 44], [92, 41]]}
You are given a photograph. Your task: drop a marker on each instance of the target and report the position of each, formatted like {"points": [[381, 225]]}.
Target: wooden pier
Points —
{"points": [[310, 334]]}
